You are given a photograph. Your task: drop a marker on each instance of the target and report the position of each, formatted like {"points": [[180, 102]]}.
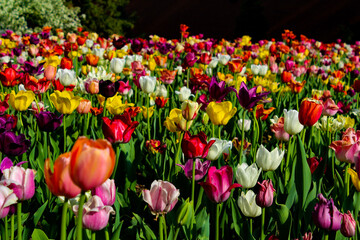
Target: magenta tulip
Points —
{"points": [[265, 196], [348, 226], [326, 215], [106, 192], [201, 168]]}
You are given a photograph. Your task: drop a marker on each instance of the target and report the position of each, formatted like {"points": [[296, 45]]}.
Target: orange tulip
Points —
{"points": [[92, 59], [59, 182], [91, 163], [310, 111]]}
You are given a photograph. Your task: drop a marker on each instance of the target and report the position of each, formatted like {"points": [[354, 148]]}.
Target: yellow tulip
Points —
{"points": [[354, 178], [220, 113], [115, 106], [151, 64], [65, 102], [22, 100], [176, 122], [53, 61], [145, 111]]}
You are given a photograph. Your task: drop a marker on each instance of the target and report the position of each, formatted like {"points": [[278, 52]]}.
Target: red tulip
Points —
{"points": [[66, 63], [310, 112], [119, 129], [195, 146], [8, 77]]}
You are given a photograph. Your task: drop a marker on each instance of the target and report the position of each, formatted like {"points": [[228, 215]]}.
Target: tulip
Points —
{"points": [[92, 86], [220, 113], [314, 163], [50, 73], [326, 215], [8, 77], [13, 145], [292, 124], [247, 124], [117, 65], [168, 76], [48, 121], [22, 100], [95, 214], [115, 106], [65, 102], [310, 112], [92, 59], [59, 181], [7, 198], [66, 77], [219, 184], [249, 98], [119, 129], [329, 107], [269, 161], [6, 123], [106, 192], [265, 196], [194, 146], [223, 58], [354, 178], [347, 148], [255, 69], [84, 106], [277, 127], [201, 168], [218, 91], [108, 88], [161, 91], [176, 122], [91, 163], [189, 60], [147, 84], [161, 197], [247, 204], [4, 105], [147, 111], [66, 63], [183, 94], [348, 226], [190, 109], [246, 175], [219, 147]]}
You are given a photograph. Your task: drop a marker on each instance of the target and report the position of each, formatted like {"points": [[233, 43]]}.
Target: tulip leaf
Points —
{"points": [[235, 216], [39, 212], [116, 234], [203, 224], [284, 220], [39, 235], [147, 232], [302, 173]]}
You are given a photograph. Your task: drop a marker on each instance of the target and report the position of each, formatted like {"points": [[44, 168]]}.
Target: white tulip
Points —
{"points": [[184, 93], [89, 43], [161, 91], [263, 70], [117, 65], [292, 124], [246, 175], [247, 204], [255, 69], [214, 62], [269, 161], [219, 147], [66, 77], [147, 84], [247, 124], [223, 59]]}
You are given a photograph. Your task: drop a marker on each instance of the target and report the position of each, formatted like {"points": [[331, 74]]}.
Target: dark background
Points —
{"points": [[322, 20]]}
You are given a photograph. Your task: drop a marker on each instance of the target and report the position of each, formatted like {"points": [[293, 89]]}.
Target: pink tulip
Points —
{"points": [[330, 108], [265, 196], [50, 73], [201, 168], [124, 88], [7, 198], [348, 226], [162, 197], [278, 129], [219, 184], [106, 192], [347, 148], [95, 214]]}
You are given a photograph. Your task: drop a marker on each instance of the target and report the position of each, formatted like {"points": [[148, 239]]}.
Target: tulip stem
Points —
{"points": [[297, 101], [242, 136], [347, 178], [165, 228], [118, 150], [64, 125], [326, 235], [177, 153], [80, 216], [93, 235], [218, 206], [19, 226], [193, 183], [63, 220], [161, 232], [251, 226], [148, 117], [6, 228], [12, 223], [263, 224]]}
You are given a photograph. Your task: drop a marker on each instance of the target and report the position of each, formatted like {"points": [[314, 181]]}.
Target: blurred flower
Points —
{"points": [[48, 121], [183, 94], [168, 76], [246, 175], [92, 86], [329, 107], [155, 146], [348, 226], [346, 148], [269, 161], [66, 77], [4, 105], [147, 111], [84, 106], [247, 124], [326, 215], [247, 204], [314, 163], [201, 168], [9, 77], [277, 127], [13, 145]]}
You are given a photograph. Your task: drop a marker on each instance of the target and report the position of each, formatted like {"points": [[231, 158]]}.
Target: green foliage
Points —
{"points": [[105, 17], [32, 15]]}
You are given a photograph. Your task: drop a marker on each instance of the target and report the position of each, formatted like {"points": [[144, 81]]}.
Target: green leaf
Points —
{"points": [[116, 234], [235, 216], [302, 174], [39, 235], [148, 233], [39, 212], [203, 224], [284, 220]]}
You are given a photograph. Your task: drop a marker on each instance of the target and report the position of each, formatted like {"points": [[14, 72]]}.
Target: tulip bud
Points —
{"points": [[348, 226], [265, 196], [190, 109], [247, 124], [117, 65], [147, 84], [185, 213], [106, 191]]}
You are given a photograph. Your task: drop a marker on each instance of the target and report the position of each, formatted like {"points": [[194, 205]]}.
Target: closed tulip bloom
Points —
{"points": [[108, 88], [59, 181], [326, 215], [348, 226], [13, 145], [48, 121], [247, 124], [6, 123], [161, 197], [219, 184], [21, 100], [195, 146], [265, 196], [189, 60], [219, 147], [190, 109], [183, 94], [310, 112], [201, 168], [117, 65], [247, 204], [220, 113], [246, 175], [119, 129], [84, 106], [91, 163], [147, 111], [269, 161], [66, 77], [330, 108], [50, 73], [92, 59], [65, 102], [106, 192], [7, 198], [255, 69], [8, 77], [92, 86], [292, 124], [95, 214], [147, 84]]}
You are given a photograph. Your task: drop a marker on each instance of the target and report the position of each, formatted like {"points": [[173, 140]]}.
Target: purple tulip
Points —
{"points": [[6, 123], [119, 42], [201, 168], [7, 198], [48, 121], [348, 226], [248, 97], [106, 192], [20, 180], [34, 40], [13, 145], [326, 215], [289, 65], [95, 214], [5, 164], [161, 197], [218, 91], [265, 196], [33, 70], [219, 184], [189, 60], [108, 88], [136, 45]]}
